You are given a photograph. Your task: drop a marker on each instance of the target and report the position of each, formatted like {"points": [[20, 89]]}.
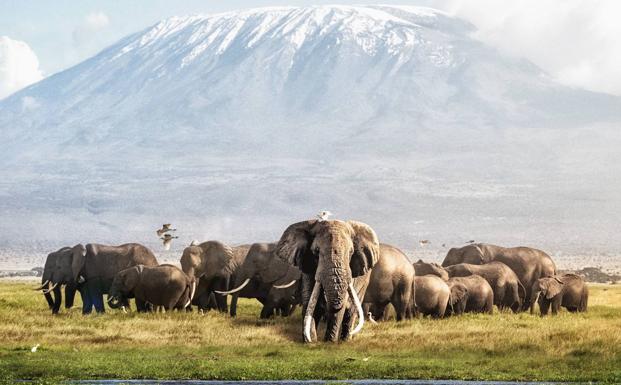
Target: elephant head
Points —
{"points": [[208, 260], [123, 286], [458, 298], [476, 254], [549, 287], [58, 272], [424, 268], [79, 260], [334, 253]]}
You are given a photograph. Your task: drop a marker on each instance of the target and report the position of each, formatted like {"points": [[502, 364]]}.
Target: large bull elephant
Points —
{"points": [[528, 264], [336, 258], [95, 266], [214, 265], [267, 278], [391, 282], [56, 274]]}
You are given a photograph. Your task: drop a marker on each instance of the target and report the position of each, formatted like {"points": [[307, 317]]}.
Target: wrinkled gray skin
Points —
{"points": [[432, 296], [480, 296], [391, 282], [57, 271], [97, 266], [163, 285], [264, 269], [508, 291], [567, 290], [424, 268], [214, 265], [332, 255], [527, 263]]}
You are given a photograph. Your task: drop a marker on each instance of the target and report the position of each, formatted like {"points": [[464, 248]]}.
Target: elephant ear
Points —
{"points": [[79, 259], [550, 286], [294, 246], [366, 248]]}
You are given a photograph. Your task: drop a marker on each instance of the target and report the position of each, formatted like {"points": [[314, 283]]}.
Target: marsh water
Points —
{"points": [[312, 382]]}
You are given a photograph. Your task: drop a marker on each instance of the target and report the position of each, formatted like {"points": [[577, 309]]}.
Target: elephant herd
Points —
{"points": [[338, 272]]}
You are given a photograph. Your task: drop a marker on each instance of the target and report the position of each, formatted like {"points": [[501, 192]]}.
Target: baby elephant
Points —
{"points": [[164, 285], [432, 296], [478, 297], [567, 290]]}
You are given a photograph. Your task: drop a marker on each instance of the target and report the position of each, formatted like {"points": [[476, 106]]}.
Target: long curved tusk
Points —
{"points": [[310, 309], [234, 290], [285, 285], [110, 299], [50, 289], [124, 310], [191, 295], [193, 290], [354, 296], [44, 284]]}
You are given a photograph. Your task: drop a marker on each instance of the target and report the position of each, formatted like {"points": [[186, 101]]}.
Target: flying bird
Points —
{"points": [[167, 241], [324, 215], [165, 228], [424, 242], [471, 241]]}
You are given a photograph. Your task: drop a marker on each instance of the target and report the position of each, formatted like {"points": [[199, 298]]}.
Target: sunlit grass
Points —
{"points": [[503, 346]]}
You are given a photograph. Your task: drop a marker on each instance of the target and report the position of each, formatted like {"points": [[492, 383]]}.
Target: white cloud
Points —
{"points": [[577, 41], [85, 35], [19, 66]]}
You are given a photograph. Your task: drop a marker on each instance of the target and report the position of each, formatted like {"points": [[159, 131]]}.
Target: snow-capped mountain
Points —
{"points": [[234, 125]]}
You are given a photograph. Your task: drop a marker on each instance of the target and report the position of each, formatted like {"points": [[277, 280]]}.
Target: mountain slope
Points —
{"points": [[236, 124]]}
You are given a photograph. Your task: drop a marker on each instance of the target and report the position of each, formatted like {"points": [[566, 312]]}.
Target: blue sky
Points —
{"points": [[574, 40]]}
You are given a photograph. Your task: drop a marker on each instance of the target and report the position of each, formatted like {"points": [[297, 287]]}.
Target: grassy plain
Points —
{"points": [[502, 346]]}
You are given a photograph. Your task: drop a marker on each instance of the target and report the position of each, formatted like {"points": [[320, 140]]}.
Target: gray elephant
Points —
{"points": [[56, 274], [336, 258], [508, 290], [94, 267], [391, 282], [425, 268], [432, 296], [266, 277], [164, 285], [458, 298], [567, 290], [527, 263], [480, 296], [214, 264]]}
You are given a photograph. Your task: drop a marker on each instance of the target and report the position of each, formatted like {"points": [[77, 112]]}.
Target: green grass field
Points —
{"points": [[503, 346]]}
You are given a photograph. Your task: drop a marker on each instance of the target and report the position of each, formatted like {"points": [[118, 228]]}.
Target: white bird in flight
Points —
{"points": [[324, 215], [165, 228]]}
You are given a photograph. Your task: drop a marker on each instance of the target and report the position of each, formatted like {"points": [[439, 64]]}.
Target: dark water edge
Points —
{"points": [[313, 382]]}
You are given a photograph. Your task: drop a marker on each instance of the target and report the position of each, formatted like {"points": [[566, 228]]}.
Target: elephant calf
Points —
{"points": [[163, 285], [432, 296], [479, 297], [508, 290], [567, 290]]}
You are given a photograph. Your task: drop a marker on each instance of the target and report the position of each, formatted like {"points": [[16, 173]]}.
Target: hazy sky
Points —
{"points": [[577, 41]]}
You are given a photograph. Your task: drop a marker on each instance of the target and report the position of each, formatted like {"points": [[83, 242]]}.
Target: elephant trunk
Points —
{"points": [[335, 285]]}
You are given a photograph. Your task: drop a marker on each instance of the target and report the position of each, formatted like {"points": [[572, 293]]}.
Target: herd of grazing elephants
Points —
{"points": [[338, 271]]}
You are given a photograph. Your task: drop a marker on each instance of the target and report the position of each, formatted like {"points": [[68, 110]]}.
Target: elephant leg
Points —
{"points": [[556, 304], [401, 301], [87, 298], [544, 306], [97, 297], [306, 289], [49, 299], [141, 306], [69, 296], [379, 311], [234, 299], [348, 321], [267, 311], [58, 299]]}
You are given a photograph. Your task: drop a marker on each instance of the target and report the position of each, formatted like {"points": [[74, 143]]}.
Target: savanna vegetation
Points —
{"points": [[502, 346]]}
